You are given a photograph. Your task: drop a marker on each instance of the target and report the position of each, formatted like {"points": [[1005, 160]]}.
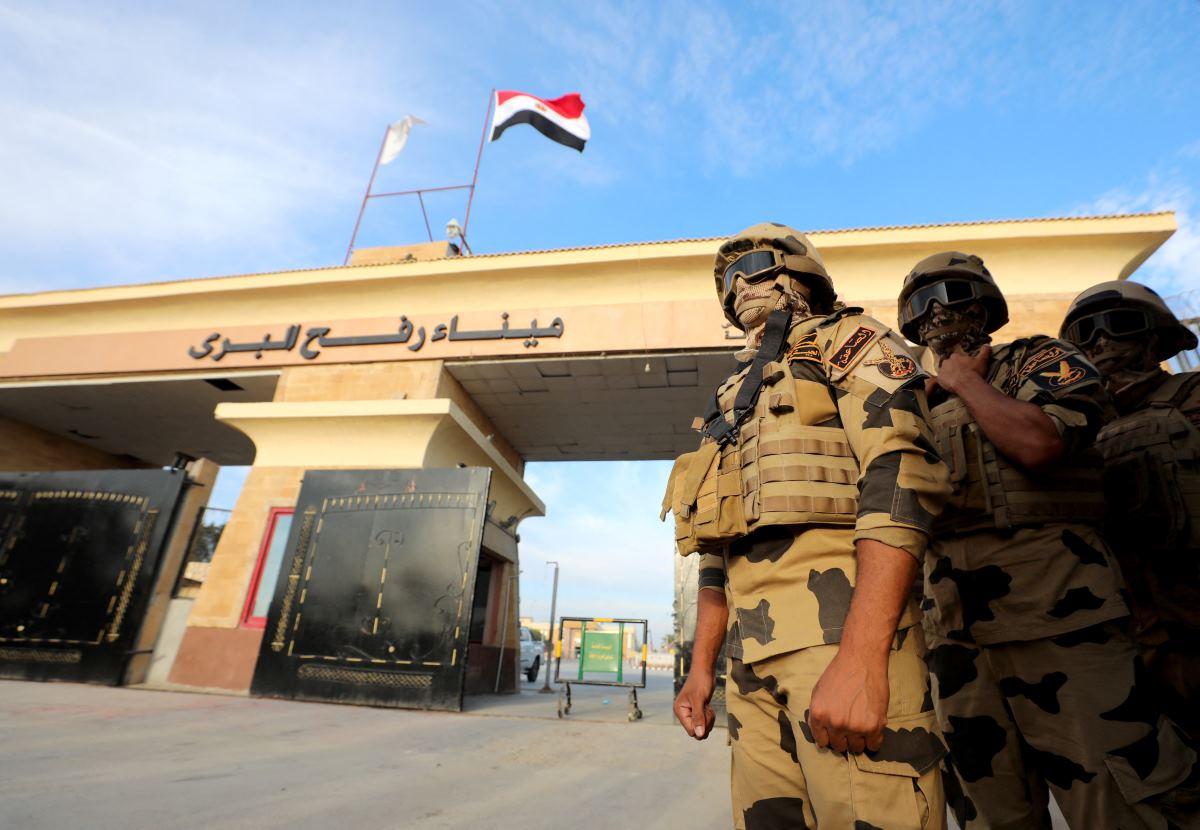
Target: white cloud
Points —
{"points": [[752, 84], [1173, 270], [141, 136], [759, 84]]}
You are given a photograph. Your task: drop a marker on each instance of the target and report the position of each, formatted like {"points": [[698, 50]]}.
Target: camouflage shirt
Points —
{"points": [[1037, 578], [789, 586]]}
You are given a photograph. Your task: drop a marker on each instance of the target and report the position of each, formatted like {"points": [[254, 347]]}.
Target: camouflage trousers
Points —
{"points": [[1074, 713], [781, 780], [1172, 656], [1175, 667]]}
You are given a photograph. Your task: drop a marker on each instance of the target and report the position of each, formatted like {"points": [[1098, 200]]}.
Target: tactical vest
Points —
{"points": [[1152, 471], [991, 492], [771, 465]]}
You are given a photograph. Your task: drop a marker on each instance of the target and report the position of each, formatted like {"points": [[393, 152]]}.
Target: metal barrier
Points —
{"points": [[601, 652]]}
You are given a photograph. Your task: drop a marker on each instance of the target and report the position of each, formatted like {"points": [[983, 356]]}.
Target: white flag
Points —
{"points": [[397, 137]]}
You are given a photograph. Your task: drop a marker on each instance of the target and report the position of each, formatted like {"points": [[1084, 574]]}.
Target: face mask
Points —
{"points": [[1123, 361], [944, 328], [753, 303]]}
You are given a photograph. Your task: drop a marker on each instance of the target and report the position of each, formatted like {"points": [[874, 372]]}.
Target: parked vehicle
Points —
{"points": [[531, 654]]}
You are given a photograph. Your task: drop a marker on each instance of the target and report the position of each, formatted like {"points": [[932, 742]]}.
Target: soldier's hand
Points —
{"points": [[959, 368], [691, 706], [849, 704]]}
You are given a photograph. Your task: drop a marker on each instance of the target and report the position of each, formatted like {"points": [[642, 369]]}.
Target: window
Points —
{"points": [[266, 571]]}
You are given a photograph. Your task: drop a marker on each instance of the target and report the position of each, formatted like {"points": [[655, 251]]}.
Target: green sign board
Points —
{"points": [[601, 652]]}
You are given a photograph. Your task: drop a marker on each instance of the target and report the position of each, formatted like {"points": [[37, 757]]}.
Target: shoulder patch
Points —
{"points": [[843, 358], [805, 349], [1042, 358], [1067, 372], [892, 365]]}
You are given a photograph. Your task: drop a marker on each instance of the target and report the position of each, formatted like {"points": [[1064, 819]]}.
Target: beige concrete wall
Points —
{"points": [[411, 380], [24, 448], [360, 381]]}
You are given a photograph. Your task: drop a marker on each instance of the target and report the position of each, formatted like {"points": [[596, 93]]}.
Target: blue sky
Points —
{"points": [[153, 141]]}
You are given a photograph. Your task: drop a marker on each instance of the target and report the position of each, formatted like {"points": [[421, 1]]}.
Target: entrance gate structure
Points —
{"points": [[409, 358], [373, 602], [79, 555]]}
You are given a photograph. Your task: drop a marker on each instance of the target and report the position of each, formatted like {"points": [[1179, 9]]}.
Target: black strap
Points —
{"points": [[721, 429]]}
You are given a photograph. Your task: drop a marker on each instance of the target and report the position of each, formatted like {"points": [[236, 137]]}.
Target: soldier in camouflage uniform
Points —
{"points": [[1152, 477], [1034, 671], [810, 502]]}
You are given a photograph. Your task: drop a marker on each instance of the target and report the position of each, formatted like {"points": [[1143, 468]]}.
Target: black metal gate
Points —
{"points": [[79, 552], [373, 601]]}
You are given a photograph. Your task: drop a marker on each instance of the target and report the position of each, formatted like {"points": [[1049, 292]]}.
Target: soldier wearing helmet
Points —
{"points": [[1033, 668], [810, 501], [1151, 478]]}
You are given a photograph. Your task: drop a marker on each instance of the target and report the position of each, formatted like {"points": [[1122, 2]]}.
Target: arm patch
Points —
{"points": [[1042, 358], [844, 357], [892, 365], [805, 349], [1063, 374]]}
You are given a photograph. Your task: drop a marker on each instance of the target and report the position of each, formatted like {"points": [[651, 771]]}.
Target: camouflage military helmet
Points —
{"points": [[1125, 308], [794, 254], [951, 278]]}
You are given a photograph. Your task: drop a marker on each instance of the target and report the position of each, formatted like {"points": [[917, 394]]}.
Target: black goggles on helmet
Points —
{"points": [[1117, 323], [754, 266], [947, 292]]}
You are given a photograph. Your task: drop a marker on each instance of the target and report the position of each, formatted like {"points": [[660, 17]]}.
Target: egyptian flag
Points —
{"points": [[560, 120]]}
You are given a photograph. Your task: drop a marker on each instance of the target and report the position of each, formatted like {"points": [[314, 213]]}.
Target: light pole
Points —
{"points": [[550, 639]]}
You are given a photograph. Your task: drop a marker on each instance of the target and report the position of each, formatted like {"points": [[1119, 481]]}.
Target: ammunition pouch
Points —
{"points": [[705, 495], [992, 492], [1152, 475]]}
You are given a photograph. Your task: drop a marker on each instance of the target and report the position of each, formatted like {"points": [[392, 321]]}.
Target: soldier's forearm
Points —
{"points": [[885, 578], [1019, 429], [712, 614]]}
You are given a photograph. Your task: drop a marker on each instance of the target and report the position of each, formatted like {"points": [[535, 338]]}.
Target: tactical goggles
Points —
{"points": [[1115, 322], [947, 292], [752, 267]]}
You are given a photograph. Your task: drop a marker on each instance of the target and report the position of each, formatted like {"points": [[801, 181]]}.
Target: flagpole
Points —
{"points": [[478, 157], [366, 195]]}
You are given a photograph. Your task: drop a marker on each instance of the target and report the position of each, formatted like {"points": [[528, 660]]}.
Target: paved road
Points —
{"points": [[98, 758]]}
